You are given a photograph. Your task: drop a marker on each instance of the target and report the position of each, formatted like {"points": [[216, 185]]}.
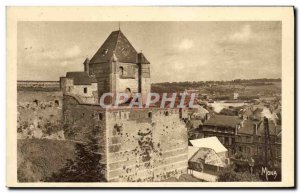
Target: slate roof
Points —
{"points": [[142, 59], [117, 46], [248, 127], [81, 78], [223, 120]]}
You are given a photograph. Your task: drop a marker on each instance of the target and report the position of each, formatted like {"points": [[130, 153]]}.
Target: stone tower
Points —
{"points": [[118, 66]]}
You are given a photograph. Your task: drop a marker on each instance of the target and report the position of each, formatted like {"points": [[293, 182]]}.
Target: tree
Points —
{"points": [[229, 175], [86, 167]]}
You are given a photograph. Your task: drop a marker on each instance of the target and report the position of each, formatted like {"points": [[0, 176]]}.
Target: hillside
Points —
{"points": [[223, 90], [40, 158]]}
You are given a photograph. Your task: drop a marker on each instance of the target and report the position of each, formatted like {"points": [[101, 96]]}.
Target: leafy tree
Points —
{"points": [[229, 175], [85, 168]]}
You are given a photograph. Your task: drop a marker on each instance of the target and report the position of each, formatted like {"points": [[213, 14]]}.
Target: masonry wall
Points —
{"points": [[145, 82], [145, 145], [129, 79], [39, 113], [102, 72], [38, 84], [84, 123]]}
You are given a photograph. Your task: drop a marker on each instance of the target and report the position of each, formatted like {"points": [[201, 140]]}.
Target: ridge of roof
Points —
{"points": [[81, 78], [118, 46]]}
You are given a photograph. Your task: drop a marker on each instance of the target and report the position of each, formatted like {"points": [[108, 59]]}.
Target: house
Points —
{"points": [[199, 113], [250, 140], [81, 85], [224, 128], [211, 143], [207, 157], [235, 96]]}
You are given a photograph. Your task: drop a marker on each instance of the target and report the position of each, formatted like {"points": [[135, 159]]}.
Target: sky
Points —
{"points": [[177, 51]]}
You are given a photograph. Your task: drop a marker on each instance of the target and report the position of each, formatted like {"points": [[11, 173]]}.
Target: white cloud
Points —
{"points": [[72, 52], [242, 35], [185, 44]]}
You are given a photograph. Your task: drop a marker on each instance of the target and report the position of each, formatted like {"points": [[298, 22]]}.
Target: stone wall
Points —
{"points": [[102, 73], [129, 79], [145, 145], [84, 123], [135, 144], [38, 84], [39, 113]]}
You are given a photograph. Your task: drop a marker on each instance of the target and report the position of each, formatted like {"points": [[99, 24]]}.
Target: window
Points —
{"points": [[150, 115], [56, 102], [85, 90], [226, 141], [100, 116], [121, 70], [36, 102], [240, 148], [166, 113]]}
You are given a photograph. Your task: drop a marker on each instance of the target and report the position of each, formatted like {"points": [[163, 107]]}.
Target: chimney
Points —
{"points": [[87, 65], [236, 129], [242, 123]]}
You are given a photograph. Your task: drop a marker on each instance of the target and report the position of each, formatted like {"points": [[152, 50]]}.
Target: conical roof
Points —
{"points": [[118, 47]]}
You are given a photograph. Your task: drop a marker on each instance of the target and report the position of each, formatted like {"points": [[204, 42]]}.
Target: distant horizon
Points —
{"points": [[169, 82]]}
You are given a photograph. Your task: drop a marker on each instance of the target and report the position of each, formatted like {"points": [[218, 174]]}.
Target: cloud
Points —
{"points": [[243, 35], [185, 44], [72, 52]]}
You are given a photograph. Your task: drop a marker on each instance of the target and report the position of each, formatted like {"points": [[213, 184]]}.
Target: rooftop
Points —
{"points": [[223, 120], [249, 125], [118, 47], [209, 142], [81, 78], [206, 155]]}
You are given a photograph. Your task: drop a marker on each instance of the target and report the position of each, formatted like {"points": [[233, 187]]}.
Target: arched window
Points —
{"points": [[36, 102], [121, 70]]}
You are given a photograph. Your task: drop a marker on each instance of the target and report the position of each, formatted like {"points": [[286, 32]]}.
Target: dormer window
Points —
{"points": [[104, 52]]}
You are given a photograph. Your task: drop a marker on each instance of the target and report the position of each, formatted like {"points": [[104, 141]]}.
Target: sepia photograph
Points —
{"points": [[199, 102]]}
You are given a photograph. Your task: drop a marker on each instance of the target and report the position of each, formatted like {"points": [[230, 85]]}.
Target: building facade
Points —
{"points": [[118, 66]]}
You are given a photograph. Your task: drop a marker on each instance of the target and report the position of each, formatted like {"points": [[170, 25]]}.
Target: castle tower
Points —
{"points": [[118, 66]]}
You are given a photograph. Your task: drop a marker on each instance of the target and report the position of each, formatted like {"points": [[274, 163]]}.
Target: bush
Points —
{"points": [[229, 175]]}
